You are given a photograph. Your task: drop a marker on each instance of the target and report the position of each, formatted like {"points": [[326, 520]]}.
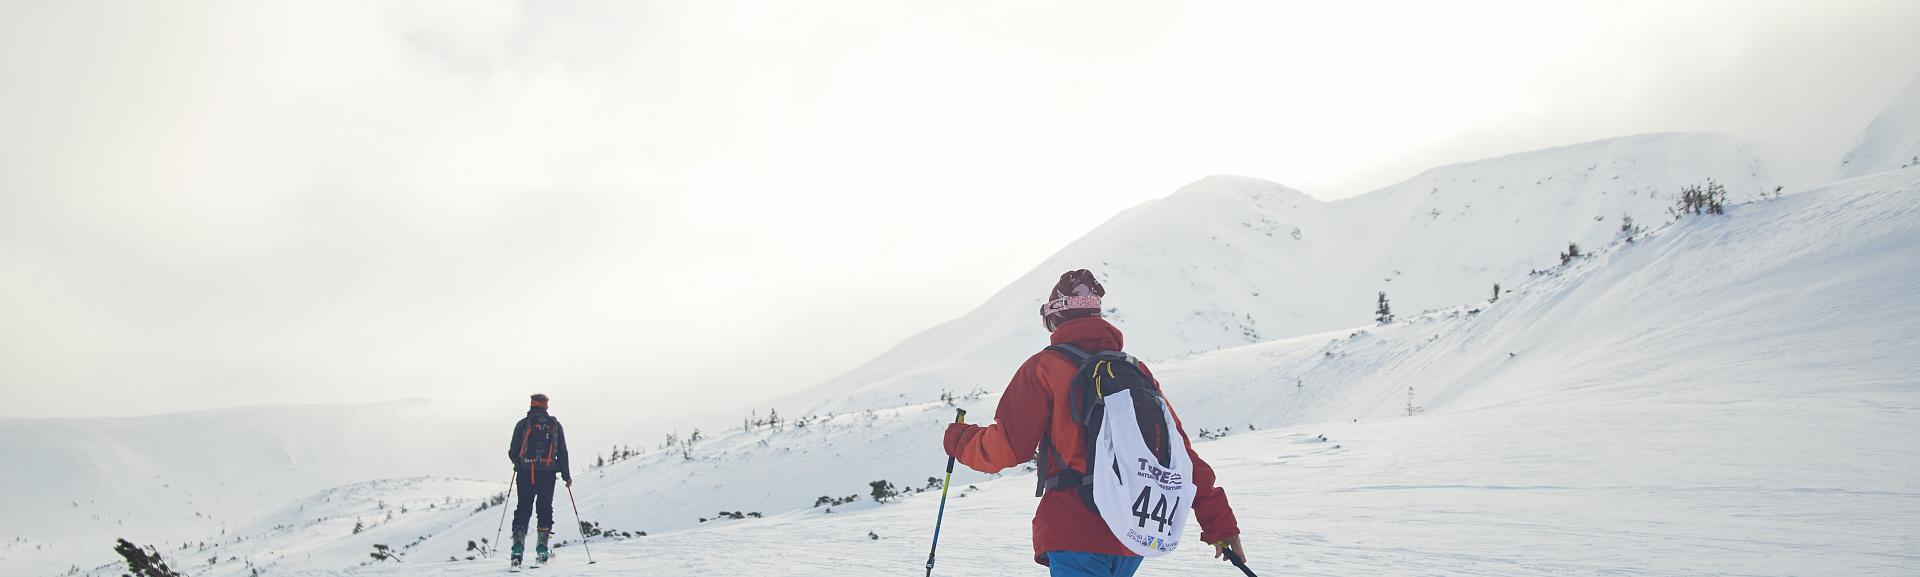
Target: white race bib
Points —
{"points": [[1145, 505]]}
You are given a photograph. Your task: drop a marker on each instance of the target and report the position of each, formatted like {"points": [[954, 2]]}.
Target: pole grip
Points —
{"points": [[1239, 563], [960, 416]]}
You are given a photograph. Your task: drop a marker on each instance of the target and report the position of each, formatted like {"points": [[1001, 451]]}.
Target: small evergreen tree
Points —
{"points": [[1573, 252], [1689, 201], [1383, 314], [1628, 229], [143, 562], [686, 448], [883, 491], [1716, 198], [1697, 199]]}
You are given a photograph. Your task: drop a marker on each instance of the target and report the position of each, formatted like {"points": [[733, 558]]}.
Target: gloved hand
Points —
{"points": [[1233, 543], [955, 435]]}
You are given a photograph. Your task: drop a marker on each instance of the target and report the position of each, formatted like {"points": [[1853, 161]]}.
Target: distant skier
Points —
{"points": [[1097, 524], [538, 452]]}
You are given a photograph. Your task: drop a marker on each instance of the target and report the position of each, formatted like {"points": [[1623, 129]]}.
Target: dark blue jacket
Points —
{"points": [[539, 463]]}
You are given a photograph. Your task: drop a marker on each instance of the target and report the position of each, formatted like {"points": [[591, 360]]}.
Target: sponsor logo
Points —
{"points": [[1154, 542], [1168, 480]]}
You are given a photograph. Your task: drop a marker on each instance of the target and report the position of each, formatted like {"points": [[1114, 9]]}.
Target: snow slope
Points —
{"points": [[1229, 260], [168, 479], [1732, 395], [1222, 263], [1727, 396], [1891, 142]]}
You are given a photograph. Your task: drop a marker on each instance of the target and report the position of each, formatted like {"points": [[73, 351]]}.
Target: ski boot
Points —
{"points": [[540, 550], [519, 549]]}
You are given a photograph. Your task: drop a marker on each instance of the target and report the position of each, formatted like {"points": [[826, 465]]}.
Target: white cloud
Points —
{"points": [[264, 202]]}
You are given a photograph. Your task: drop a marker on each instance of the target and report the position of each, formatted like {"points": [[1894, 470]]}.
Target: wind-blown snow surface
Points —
{"points": [[1892, 141], [1228, 261], [1728, 395]]}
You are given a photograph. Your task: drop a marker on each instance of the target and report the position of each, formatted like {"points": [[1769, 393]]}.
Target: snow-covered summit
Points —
{"points": [[1234, 188], [1231, 260]]}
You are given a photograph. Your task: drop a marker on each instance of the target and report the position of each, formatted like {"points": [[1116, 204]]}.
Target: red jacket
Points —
{"points": [[1037, 399]]}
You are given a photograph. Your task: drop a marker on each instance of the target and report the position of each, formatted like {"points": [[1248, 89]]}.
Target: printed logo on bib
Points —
{"points": [[1168, 480]]}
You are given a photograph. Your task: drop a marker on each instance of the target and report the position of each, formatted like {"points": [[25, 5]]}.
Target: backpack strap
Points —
{"points": [[1052, 468], [1079, 357], [525, 435], [1068, 479], [553, 438]]}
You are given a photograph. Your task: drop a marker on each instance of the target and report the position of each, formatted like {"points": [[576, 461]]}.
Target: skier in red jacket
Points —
{"points": [[1069, 538]]}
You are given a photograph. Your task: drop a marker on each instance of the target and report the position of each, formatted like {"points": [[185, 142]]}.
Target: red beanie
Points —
{"points": [[1076, 295]]}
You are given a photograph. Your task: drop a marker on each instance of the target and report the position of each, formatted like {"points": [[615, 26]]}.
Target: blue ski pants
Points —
{"points": [[1077, 564]]}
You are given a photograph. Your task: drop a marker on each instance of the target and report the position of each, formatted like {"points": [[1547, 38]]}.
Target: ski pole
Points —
{"points": [[582, 526], [511, 481], [1238, 562], [961, 417]]}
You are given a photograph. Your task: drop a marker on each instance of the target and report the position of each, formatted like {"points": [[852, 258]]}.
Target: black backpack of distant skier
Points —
{"points": [[1139, 477], [540, 440]]}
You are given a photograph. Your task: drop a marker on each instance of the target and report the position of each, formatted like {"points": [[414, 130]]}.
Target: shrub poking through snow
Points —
{"points": [[835, 501], [1573, 252], [1710, 198], [143, 562], [883, 491]]}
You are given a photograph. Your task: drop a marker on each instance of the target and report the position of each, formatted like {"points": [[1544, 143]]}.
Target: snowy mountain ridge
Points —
{"points": [[1661, 407], [1228, 261], [1217, 266]]}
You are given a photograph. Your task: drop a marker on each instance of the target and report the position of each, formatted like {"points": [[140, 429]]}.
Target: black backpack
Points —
{"points": [[1101, 375], [540, 440]]}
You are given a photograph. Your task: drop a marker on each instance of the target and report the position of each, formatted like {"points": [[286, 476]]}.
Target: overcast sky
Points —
{"points": [[658, 204]]}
